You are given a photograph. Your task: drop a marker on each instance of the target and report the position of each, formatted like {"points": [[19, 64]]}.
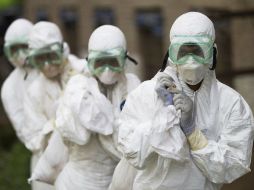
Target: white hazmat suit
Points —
{"points": [[15, 86], [43, 94], [153, 142], [87, 118]]}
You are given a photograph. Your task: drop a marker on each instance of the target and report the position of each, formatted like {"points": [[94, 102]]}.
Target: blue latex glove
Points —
{"points": [[163, 84], [185, 104], [165, 95]]}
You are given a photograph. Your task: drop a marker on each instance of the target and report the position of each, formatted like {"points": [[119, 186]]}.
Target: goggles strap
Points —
{"points": [[131, 59], [214, 59], [165, 62]]}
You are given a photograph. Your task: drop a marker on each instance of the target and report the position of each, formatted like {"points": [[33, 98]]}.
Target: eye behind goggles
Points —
{"points": [[11, 50], [201, 48], [51, 54], [113, 59]]}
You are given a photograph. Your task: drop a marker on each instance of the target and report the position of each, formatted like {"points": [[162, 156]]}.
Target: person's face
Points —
{"points": [[51, 71], [111, 62], [17, 53], [190, 49], [49, 63], [112, 59]]}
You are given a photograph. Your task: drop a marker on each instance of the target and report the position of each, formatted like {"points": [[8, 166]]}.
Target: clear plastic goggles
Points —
{"points": [[51, 54], [113, 59], [13, 49], [200, 48]]}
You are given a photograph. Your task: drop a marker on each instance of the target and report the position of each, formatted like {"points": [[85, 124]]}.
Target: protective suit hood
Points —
{"points": [[19, 29], [106, 37], [192, 24], [193, 27], [43, 34]]}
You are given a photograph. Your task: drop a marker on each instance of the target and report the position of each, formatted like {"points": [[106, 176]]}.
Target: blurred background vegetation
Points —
{"points": [[14, 161], [14, 157]]}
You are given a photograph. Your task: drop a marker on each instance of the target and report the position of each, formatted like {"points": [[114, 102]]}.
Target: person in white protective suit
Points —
{"points": [[14, 87], [49, 54], [184, 129], [87, 116]]}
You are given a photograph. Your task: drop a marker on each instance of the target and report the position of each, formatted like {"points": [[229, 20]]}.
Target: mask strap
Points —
{"points": [[165, 62], [214, 59]]}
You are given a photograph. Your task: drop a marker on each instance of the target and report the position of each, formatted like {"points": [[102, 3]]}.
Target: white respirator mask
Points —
{"points": [[192, 72], [108, 76]]}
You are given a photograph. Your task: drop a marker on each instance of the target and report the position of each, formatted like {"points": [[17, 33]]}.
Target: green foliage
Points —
{"points": [[8, 3], [14, 163]]}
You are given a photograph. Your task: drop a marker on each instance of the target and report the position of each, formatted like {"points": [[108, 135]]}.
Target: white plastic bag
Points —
{"points": [[52, 160]]}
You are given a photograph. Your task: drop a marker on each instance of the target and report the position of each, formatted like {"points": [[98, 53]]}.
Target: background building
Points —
{"points": [[146, 24]]}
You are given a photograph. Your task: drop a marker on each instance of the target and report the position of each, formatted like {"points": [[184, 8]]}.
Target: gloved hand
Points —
{"points": [[185, 104], [163, 85]]}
